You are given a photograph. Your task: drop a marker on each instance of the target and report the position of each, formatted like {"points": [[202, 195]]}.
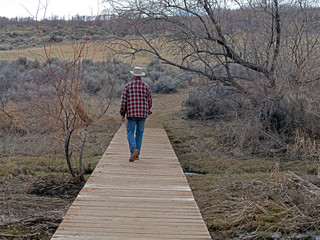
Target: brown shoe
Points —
{"points": [[133, 156]]}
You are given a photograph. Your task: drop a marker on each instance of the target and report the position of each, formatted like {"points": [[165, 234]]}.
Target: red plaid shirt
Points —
{"points": [[136, 100]]}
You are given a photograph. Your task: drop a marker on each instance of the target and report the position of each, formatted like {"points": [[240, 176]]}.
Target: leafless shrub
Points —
{"points": [[259, 121], [100, 77], [210, 103]]}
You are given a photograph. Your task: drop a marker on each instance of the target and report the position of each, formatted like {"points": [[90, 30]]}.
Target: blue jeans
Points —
{"points": [[135, 128]]}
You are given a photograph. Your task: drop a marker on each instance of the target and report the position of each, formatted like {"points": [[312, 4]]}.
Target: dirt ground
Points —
{"points": [[33, 207]]}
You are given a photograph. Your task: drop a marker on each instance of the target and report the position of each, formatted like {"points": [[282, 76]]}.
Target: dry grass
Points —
{"points": [[247, 197], [257, 206], [21, 162], [28, 214], [97, 51]]}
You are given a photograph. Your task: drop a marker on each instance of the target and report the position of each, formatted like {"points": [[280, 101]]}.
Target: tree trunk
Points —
{"points": [[66, 150], [81, 172]]}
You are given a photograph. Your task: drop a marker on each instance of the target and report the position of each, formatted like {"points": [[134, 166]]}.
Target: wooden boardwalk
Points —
{"points": [[147, 199]]}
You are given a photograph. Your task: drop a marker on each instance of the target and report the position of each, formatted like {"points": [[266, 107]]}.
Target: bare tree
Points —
{"points": [[213, 39], [66, 108], [261, 56], [67, 81]]}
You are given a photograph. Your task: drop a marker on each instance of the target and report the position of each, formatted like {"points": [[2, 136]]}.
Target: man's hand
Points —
{"points": [[123, 119]]}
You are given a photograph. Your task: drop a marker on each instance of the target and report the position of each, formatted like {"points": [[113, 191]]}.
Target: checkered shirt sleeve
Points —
{"points": [[136, 100]]}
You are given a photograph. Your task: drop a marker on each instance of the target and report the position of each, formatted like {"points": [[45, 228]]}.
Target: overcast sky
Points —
{"points": [[67, 8]]}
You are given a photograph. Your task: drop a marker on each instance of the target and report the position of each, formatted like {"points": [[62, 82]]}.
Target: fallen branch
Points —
{"points": [[294, 178]]}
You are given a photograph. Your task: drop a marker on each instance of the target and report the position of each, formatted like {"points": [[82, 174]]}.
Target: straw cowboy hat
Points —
{"points": [[137, 71]]}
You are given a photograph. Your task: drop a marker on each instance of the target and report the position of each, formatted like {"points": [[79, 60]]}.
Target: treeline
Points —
{"points": [[54, 18]]}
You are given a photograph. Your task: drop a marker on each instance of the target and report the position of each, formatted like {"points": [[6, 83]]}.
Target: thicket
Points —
{"points": [[23, 78], [285, 120]]}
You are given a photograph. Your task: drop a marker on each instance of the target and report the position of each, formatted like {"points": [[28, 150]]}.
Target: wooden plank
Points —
{"points": [[122, 236], [151, 213], [147, 199]]}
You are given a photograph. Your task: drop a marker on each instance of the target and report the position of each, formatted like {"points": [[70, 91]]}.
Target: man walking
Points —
{"points": [[136, 103]]}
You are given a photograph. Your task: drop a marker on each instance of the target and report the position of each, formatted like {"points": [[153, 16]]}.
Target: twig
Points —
{"points": [[260, 208], [7, 203], [18, 236], [295, 206]]}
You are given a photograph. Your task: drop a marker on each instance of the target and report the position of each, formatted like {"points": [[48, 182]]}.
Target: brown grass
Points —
{"points": [[97, 51]]}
